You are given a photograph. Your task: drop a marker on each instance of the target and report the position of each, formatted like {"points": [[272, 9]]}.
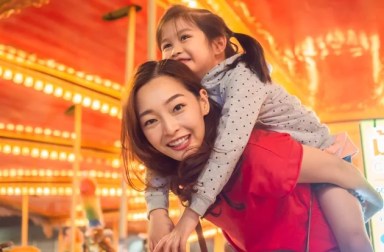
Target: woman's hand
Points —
{"points": [[159, 226], [176, 241]]}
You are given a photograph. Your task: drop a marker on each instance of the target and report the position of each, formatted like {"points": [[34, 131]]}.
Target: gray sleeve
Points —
{"points": [[244, 95], [157, 192]]}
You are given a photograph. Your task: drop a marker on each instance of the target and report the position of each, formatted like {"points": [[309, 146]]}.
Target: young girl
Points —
{"points": [[170, 125]]}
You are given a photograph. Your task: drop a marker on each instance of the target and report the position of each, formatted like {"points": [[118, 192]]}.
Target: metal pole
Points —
{"points": [[151, 12], [75, 179], [131, 37], [130, 61], [24, 220]]}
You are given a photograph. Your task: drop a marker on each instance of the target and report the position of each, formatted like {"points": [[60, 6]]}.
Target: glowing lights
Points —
{"points": [[37, 130], [56, 79], [77, 98], [48, 189], [38, 173], [7, 75], [191, 3], [18, 78], [62, 153], [48, 89]]}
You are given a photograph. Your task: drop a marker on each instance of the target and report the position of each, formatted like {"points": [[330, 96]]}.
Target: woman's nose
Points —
{"points": [[170, 126]]}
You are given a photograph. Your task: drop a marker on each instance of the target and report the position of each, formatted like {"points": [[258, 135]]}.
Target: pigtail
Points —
{"points": [[253, 56]]}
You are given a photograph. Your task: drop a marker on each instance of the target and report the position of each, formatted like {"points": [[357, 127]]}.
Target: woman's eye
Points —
{"points": [[149, 122], [178, 107]]}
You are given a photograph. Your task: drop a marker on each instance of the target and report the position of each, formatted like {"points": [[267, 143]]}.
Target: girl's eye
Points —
{"points": [[149, 122], [165, 46], [178, 107], [184, 37]]}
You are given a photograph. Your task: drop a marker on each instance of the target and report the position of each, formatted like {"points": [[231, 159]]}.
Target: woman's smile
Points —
{"points": [[180, 143], [172, 117]]}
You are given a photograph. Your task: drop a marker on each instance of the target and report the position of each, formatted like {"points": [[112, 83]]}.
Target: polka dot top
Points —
{"points": [[247, 103]]}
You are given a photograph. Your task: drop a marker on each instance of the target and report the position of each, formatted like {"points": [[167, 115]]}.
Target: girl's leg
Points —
{"points": [[321, 167], [344, 214]]}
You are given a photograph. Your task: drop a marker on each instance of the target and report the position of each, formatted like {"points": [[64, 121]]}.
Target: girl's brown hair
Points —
{"points": [[135, 147], [213, 27]]}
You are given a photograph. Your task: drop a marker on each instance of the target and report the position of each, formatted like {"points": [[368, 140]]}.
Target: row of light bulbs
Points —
{"points": [[19, 128], [51, 173], [107, 103], [131, 216], [58, 91], [22, 57], [65, 154], [135, 197]]}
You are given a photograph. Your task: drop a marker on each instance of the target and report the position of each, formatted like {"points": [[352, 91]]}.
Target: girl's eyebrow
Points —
{"points": [[148, 111], [178, 32], [183, 30]]}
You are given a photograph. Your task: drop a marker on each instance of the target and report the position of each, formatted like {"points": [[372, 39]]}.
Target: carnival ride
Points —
{"points": [[64, 69]]}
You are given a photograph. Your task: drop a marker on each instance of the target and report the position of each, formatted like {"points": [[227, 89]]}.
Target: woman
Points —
{"points": [[169, 124]]}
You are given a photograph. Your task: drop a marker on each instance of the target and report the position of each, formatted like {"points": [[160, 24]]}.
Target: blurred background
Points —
{"points": [[64, 65]]}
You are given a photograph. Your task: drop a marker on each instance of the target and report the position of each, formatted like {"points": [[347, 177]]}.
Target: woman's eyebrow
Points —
{"points": [[148, 111]]}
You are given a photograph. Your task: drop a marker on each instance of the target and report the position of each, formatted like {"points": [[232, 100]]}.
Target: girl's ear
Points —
{"points": [[219, 44], [204, 101]]}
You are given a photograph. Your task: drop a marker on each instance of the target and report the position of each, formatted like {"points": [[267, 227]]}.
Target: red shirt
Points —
{"points": [[276, 210]]}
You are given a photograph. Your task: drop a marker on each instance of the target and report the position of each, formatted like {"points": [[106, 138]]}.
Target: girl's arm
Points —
{"points": [[157, 192], [157, 199], [244, 95]]}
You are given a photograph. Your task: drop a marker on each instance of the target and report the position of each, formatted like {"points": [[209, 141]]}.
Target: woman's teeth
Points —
{"points": [[178, 141]]}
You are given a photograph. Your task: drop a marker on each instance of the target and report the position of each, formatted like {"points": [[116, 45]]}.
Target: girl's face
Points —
{"points": [[185, 42], [171, 117]]}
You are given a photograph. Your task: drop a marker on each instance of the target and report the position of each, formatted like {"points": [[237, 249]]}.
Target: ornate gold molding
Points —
{"points": [[9, 7]]}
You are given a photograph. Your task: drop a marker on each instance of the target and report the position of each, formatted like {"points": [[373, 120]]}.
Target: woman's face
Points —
{"points": [[171, 117]]}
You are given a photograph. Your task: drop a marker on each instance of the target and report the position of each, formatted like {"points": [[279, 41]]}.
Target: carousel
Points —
{"points": [[65, 65]]}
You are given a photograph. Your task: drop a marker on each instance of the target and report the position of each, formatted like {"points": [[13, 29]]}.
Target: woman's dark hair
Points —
{"points": [[135, 146], [213, 27]]}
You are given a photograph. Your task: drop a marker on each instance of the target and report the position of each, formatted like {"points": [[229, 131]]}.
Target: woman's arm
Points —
{"points": [[176, 241]]}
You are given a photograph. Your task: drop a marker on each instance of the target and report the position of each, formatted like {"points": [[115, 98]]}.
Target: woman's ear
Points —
{"points": [[204, 101], [219, 44]]}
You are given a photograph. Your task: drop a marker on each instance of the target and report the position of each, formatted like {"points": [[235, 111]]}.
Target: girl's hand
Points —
{"points": [[159, 226], [176, 241]]}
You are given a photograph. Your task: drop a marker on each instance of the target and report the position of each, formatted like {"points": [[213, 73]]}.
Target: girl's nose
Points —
{"points": [[176, 51]]}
